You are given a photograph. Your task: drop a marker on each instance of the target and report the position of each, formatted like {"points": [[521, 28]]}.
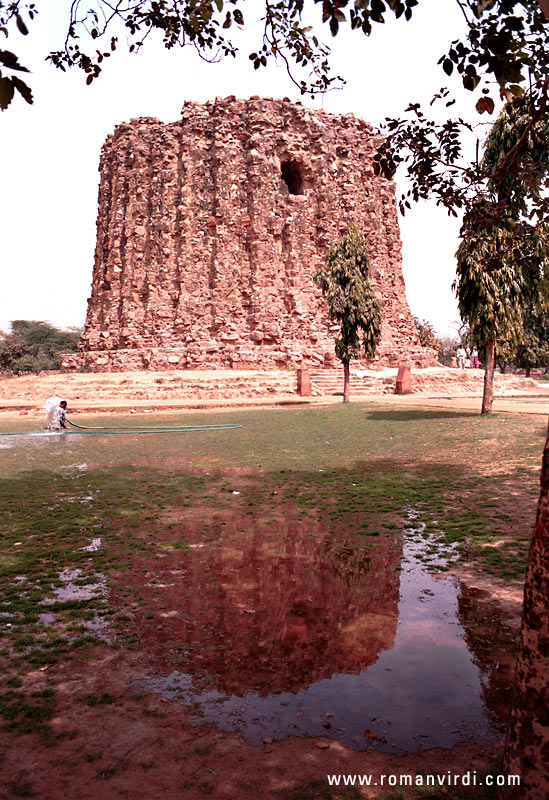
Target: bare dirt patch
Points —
{"points": [[143, 747], [106, 738]]}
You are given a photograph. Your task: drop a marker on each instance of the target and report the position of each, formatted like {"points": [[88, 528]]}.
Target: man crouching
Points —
{"points": [[56, 410]]}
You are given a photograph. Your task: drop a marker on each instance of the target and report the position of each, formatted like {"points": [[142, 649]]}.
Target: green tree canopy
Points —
{"points": [[503, 54], [33, 346], [533, 347], [351, 300], [503, 257]]}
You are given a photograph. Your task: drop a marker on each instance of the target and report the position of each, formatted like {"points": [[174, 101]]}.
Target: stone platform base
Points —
{"points": [[158, 358]]}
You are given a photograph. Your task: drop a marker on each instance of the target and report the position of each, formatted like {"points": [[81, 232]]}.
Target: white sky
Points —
{"points": [[49, 179]]}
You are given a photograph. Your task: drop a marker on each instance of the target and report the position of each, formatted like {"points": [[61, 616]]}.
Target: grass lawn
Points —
{"points": [[472, 480]]}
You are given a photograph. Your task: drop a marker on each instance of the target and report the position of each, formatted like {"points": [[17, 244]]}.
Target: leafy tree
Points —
{"points": [[503, 258], [533, 348], [504, 41], [35, 346], [427, 334], [351, 300], [491, 291], [447, 347], [505, 356]]}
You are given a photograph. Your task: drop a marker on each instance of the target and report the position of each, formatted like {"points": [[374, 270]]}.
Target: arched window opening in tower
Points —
{"points": [[292, 177]]}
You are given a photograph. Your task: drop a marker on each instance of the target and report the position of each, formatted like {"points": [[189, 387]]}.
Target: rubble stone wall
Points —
{"points": [[209, 232]]}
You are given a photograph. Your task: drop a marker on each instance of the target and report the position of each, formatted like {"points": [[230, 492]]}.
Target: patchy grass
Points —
{"points": [[359, 474], [472, 480], [22, 713]]}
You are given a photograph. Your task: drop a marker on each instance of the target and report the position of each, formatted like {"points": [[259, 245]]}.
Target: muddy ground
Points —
{"points": [[106, 740]]}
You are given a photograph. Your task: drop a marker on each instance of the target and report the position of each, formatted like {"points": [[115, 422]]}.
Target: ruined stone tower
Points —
{"points": [[210, 229]]}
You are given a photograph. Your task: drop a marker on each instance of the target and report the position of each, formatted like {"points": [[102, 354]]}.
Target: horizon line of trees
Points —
{"points": [[33, 346], [530, 351]]}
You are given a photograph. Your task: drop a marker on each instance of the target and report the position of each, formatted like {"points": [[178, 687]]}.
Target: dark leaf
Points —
{"points": [[378, 7], [10, 61], [485, 104], [470, 82], [447, 66], [23, 89], [6, 92], [21, 27]]}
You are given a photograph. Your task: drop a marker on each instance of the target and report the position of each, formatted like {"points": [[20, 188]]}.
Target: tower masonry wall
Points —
{"points": [[209, 232]]}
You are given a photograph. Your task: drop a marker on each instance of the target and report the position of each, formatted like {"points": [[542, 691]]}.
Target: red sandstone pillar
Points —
{"points": [[403, 381], [304, 388]]}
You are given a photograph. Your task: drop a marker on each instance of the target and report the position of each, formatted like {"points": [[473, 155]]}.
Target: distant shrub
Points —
{"points": [[33, 346], [427, 334], [447, 348]]}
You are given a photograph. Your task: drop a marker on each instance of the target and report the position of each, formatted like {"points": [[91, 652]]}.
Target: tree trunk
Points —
{"points": [[488, 396], [346, 381], [527, 373], [527, 746]]}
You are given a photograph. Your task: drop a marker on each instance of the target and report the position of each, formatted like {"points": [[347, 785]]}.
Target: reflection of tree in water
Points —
{"points": [[270, 608], [492, 639], [350, 563]]}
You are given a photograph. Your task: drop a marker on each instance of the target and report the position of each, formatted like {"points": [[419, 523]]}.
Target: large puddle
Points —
{"points": [[285, 630]]}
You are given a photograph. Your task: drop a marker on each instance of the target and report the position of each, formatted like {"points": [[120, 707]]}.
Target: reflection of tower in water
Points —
{"points": [[267, 628], [271, 608]]}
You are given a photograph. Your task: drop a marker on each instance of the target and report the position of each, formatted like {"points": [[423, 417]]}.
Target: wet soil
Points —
{"points": [[267, 655], [251, 647], [144, 747]]}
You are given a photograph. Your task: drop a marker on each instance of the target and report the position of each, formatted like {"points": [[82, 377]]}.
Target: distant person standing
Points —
{"points": [[461, 356], [475, 358]]}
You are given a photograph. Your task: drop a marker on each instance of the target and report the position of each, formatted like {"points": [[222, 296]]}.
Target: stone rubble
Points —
{"points": [[211, 228]]}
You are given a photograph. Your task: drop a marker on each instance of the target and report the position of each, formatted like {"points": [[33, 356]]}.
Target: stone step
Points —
{"points": [[154, 386], [331, 382]]}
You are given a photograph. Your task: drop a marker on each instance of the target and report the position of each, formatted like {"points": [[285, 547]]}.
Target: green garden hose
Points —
{"points": [[151, 428], [84, 429]]}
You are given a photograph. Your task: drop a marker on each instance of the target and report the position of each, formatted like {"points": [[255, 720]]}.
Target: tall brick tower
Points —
{"points": [[210, 229]]}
